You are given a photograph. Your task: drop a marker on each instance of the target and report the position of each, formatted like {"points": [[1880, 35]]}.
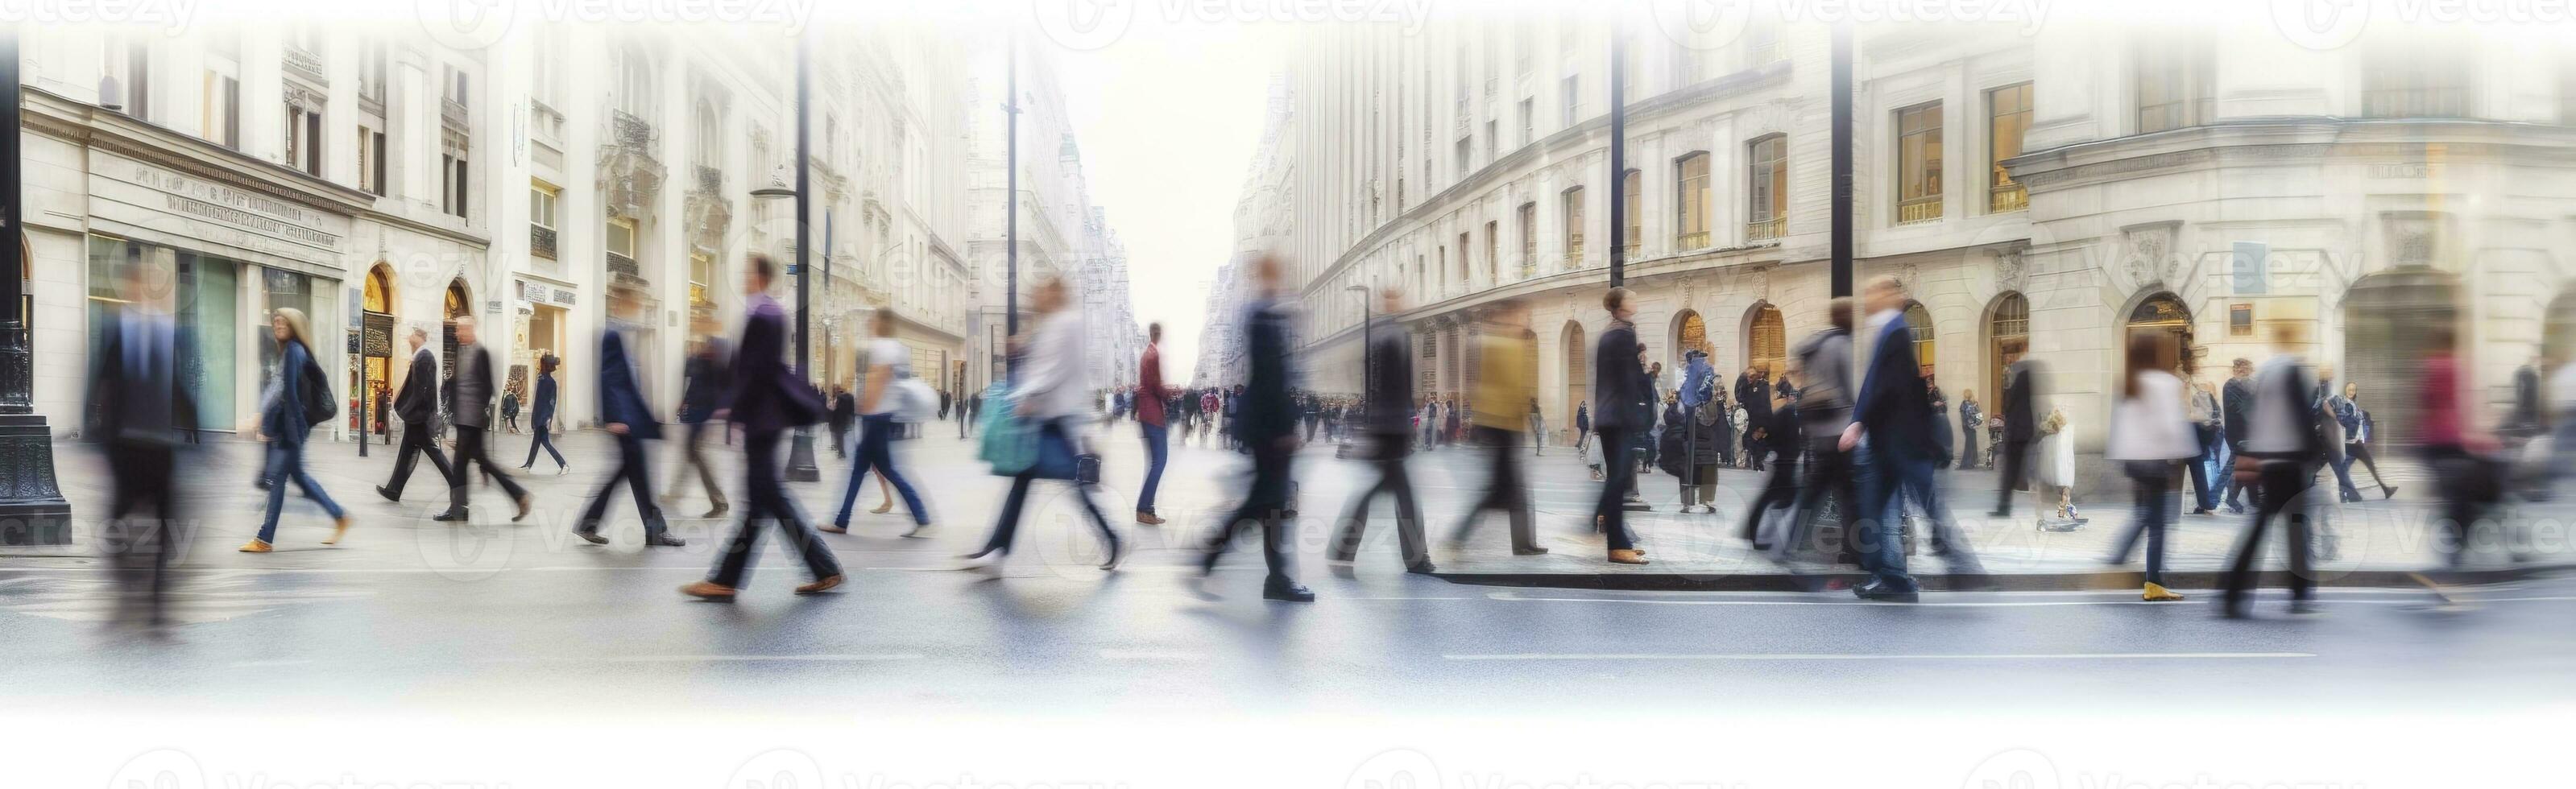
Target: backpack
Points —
{"points": [[319, 407]]}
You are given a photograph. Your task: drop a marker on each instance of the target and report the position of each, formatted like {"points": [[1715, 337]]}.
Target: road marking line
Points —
{"points": [[854, 658], [1152, 655], [1797, 656]]}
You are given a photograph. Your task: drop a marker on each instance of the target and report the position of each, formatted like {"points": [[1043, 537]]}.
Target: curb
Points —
{"points": [[2008, 582]]}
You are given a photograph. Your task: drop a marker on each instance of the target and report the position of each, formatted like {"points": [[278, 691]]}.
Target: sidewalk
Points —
{"points": [[2378, 543]]}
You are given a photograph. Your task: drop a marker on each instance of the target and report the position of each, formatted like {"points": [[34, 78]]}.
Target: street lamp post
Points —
{"points": [[800, 451], [32, 508], [1368, 345]]}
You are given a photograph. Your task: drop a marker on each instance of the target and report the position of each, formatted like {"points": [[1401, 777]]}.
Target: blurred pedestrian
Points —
{"points": [[1821, 364], [1893, 412], [1153, 423], [298, 397], [1537, 429], [2017, 406], [2358, 430], [1582, 426], [2208, 472], [767, 399], [707, 379], [1753, 391], [1048, 400], [142, 409], [418, 408], [2150, 432], [1504, 381], [1941, 437], [1620, 383], [845, 410], [1972, 421], [1265, 426], [2236, 404], [885, 359], [2285, 445], [1388, 421], [509, 409], [2054, 456], [2466, 475], [625, 415], [541, 420], [470, 398]]}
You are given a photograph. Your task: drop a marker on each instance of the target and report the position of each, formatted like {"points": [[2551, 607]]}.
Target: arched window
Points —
{"points": [[706, 137], [1918, 322], [2008, 324], [1578, 369], [1690, 333], [1690, 201], [1766, 340]]}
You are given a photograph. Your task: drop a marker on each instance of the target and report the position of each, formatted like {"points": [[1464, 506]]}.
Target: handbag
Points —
{"points": [[1007, 445], [1059, 459]]}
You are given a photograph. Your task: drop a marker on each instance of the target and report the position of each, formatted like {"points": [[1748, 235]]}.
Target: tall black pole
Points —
{"points": [[1011, 196], [32, 509], [1618, 155], [800, 452], [1842, 156]]}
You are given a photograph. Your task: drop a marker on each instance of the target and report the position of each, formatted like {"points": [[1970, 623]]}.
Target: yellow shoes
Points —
{"points": [[1628, 557], [2156, 593], [339, 529], [255, 546]]}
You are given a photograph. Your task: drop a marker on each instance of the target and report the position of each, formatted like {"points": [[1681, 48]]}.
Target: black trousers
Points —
{"points": [[1829, 473], [635, 471], [1388, 452], [2283, 481], [767, 500], [693, 455], [1505, 492], [2013, 460], [544, 440], [1264, 502], [1619, 475], [418, 440], [2236, 448], [470, 449], [1007, 528], [143, 519]]}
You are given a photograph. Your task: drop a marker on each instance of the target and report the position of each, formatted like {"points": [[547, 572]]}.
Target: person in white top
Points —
{"points": [[1049, 395], [2150, 431], [882, 358]]}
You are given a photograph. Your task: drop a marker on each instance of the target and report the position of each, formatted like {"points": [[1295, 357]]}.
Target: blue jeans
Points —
{"points": [[876, 451], [1158, 448], [286, 463]]}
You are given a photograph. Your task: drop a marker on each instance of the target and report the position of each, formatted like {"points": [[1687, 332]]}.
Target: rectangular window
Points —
{"points": [[1573, 212], [1493, 141], [1918, 163], [1493, 259], [1767, 188], [1466, 149], [2008, 119], [304, 140], [1466, 268], [1690, 202], [621, 237], [2425, 80], [702, 272], [1573, 99], [542, 200], [1529, 121], [2240, 320], [1529, 240], [452, 188], [223, 110], [375, 164], [1631, 187], [2173, 85]]}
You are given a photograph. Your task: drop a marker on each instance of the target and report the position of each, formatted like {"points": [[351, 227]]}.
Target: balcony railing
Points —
{"points": [[1697, 240], [625, 128], [710, 181], [541, 241], [1920, 209], [2007, 197], [1766, 229], [304, 63], [451, 112], [621, 264]]}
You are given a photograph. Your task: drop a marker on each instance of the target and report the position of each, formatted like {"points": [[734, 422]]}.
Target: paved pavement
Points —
{"points": [[515, 652]]}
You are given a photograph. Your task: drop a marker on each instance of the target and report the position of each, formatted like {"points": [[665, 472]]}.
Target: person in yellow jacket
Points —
{"points": [[1500, 412]]}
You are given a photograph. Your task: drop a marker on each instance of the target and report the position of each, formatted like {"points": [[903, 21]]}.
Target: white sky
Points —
{"points": [[1169, 116]]}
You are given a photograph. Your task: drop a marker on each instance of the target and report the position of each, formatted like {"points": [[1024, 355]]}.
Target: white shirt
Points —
{"points": [[1050, 383], [885, 352], [2152, 425], [2562, 389]]}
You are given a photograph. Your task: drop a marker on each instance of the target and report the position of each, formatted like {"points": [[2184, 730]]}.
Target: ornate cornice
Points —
{"points": [[89, 126]]}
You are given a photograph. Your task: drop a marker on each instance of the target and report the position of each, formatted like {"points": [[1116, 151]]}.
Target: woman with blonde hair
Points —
{"points": [[283, 423], [2056, 467], [2151, 430]]}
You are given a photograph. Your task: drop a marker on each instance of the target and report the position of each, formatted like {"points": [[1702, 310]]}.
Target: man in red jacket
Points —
{"points": [[1150, 418]]}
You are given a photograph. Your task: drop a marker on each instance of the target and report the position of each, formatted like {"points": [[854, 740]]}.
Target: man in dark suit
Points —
{"points": [[1753, 390], [1266, 424], [768, 398], [1620, 385], [2237, 402], [709, 375], [141, 408], [625, 415], [470, 397], [845, 410], [1389, 423], [1894, 413], [417, 406], [2021, 423]]}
